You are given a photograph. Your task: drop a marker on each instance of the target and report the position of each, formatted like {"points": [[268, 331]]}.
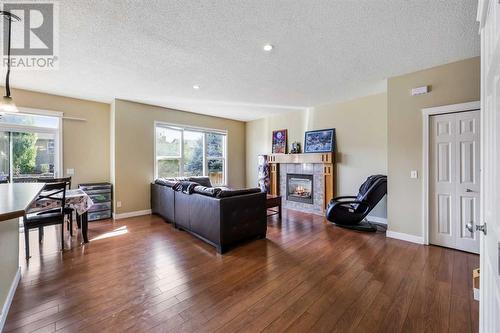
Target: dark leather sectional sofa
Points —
{"points": [[221, 217]]}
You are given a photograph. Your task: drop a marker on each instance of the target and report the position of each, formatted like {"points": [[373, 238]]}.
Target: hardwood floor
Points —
{"points": [[142, 275]]}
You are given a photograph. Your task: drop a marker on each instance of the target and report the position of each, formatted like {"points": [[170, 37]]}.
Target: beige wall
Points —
{"points": [[361, 129], [85, 143], [134, 156], [259, 138], [453, 83], [9, 257]]}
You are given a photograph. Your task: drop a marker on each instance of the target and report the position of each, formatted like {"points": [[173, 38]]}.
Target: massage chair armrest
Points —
{"points": [[362, 206], [343, 198]]}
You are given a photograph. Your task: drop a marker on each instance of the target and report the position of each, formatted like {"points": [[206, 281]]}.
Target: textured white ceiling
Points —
{"points": [[154, 51]]}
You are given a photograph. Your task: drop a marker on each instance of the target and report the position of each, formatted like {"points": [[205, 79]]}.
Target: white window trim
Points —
{"points": [[30, 129], [183, 128]]}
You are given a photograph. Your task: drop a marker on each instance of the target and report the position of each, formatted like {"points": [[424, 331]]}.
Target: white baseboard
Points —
{"points": [[10, 296], [377, 219], [131, 214], [405, 237]]}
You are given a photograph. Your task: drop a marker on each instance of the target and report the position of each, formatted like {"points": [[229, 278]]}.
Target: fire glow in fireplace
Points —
{"points": [[299, 188]]}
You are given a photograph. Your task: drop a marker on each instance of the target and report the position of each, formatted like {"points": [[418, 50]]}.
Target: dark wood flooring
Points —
{"points": [[142, 275]]}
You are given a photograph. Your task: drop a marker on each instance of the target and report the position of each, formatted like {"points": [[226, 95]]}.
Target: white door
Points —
{"points": [[489, 305], [455, 180]]}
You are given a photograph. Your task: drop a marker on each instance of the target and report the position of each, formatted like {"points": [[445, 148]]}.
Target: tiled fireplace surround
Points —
{"points": [[314, 169]]}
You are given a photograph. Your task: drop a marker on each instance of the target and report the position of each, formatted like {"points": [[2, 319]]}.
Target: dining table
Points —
{"points": [[76, 199]]}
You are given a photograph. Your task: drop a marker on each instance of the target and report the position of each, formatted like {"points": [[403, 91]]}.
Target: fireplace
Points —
{"points": [[299, 187]]}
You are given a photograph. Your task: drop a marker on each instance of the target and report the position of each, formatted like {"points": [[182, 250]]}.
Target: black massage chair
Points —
{"points": [[350, 211]]}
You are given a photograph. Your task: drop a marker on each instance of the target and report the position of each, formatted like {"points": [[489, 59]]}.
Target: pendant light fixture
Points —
{"points": [[7, 104]]}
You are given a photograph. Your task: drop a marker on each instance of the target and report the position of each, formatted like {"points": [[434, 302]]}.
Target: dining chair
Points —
{"points": [[67, 210], [53, 192]]}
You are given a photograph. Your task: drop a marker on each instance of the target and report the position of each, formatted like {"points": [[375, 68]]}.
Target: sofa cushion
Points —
{"points": [[202, 180], [181, 179], [186, 187], [229, 192], [208, 191], [170, 182]]}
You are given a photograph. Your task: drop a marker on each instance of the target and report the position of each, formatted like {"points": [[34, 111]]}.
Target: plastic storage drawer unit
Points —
{"points": [[102, 196]]}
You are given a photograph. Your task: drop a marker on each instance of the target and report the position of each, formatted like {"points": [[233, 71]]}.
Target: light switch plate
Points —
{"points": [[70, 172], [414, 174]]}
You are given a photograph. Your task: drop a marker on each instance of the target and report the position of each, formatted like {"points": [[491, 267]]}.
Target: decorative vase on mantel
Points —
{"points": [[295, 148]]}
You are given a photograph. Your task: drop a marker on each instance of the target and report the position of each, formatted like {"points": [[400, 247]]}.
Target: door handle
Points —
{"points": [[469, 190], [470, 226], [481, 228]]}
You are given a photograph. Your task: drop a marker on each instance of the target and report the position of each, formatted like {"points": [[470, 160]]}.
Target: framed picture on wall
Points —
{"points": [[280, 141], [320, 141]]}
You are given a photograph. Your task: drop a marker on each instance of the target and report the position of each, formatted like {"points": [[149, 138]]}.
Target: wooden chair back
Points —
{"points": [[54, 192], [66, 180]]}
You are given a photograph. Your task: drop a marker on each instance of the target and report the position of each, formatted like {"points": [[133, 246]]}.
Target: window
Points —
{"points": [[185, 152], [29, 146]]}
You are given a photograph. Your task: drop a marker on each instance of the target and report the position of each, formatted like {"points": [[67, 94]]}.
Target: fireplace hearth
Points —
{"points": [[299, 188]]}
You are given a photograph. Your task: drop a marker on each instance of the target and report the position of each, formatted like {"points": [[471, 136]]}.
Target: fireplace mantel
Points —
{"points": [[326, 159], [322, 158]]}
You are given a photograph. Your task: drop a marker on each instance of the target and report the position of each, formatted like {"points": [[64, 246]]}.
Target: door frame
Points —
{"points": [[426, 117]]}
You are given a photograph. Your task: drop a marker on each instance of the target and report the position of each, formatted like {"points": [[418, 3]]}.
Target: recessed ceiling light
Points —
{"points": [[196, 87], [268, 47]]}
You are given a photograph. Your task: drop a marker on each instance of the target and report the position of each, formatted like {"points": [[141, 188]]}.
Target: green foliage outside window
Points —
{"points": [[215, 145], [168, 168], [24, 153], [170, 142], [193, 157]]}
